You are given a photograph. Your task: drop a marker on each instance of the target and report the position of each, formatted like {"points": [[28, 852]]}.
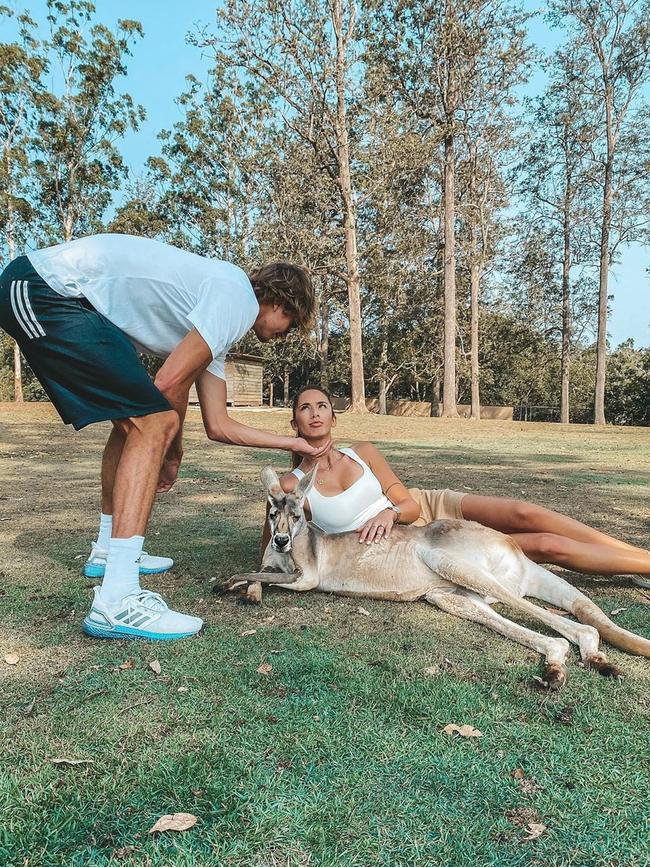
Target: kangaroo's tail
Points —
{"points": [[588, 612]]}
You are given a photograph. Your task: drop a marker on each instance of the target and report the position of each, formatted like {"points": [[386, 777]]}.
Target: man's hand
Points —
{"points": [[377, 528], [302, 447], [168, 474]]}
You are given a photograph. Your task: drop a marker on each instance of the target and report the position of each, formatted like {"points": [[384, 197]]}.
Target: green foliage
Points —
{"points": [[627, 393], [78, 165]]}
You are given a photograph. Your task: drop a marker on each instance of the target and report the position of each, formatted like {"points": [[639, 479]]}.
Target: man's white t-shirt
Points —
{"points": [[154, 292]]}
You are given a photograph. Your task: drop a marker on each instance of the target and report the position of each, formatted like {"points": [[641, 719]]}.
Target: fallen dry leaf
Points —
{"points": [[183, 689], [248, 632], [362, 610], [265, 668], [535, 830], [127, 664], [465, 731], [617, 611], [72, 762], [155, 666], [528, 785], [124, 852], [174, 822], [431, 671], [12, 659]]}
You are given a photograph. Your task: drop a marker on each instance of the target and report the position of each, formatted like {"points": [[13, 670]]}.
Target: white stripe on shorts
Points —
{"points": [[15, 298], [30, 312]]}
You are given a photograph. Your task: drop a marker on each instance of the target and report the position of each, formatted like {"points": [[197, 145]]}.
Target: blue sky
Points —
{"points": [[156, 77]]}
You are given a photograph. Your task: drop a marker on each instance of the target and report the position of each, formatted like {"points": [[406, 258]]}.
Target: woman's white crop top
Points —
{"points": [[352, 508]]}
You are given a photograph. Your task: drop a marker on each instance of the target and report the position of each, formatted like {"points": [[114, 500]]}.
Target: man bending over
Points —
{"points": [[81, 312]]}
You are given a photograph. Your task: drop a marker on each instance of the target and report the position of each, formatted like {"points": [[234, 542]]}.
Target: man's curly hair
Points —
{"points": [[289, 285]]}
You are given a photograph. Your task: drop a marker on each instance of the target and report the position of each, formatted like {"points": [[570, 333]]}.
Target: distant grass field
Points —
{"points": [[336, 757]]}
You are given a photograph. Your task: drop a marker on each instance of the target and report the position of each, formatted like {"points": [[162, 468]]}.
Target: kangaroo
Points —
{"points": [[459, 566]]}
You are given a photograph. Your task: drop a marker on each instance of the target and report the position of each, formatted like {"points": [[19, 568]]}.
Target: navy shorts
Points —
{"points": [[88, 367]]}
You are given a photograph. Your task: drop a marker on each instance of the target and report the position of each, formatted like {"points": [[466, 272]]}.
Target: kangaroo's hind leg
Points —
{"points": [[472, 577], [543, 584], [470, 606]]}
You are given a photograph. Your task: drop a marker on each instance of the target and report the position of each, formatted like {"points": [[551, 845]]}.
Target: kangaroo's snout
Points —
{"points": [[281, 542]]}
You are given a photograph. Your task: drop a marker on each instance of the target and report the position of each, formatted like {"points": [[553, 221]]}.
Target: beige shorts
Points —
{"points": [[437, 505]]}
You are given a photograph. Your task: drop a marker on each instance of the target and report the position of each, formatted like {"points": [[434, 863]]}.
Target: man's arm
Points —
{"points": [[220, 427]]}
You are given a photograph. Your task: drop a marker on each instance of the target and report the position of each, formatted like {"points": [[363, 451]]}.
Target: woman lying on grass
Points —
{"points": [[356, 489]]}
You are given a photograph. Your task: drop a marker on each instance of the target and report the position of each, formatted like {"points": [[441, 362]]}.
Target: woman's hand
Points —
{"points": [[377, 528], [302, 447]]}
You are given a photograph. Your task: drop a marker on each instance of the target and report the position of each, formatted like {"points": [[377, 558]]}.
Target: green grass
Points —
{"points": [[337, 756]]}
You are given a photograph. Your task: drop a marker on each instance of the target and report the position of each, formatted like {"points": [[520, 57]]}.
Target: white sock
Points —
{"points": [[105, 531], [122, 575]]}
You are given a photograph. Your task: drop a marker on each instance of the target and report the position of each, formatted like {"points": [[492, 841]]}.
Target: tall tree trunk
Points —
{"points": [[18, 365], [358, 403], [271, 393], [601, 342], [435, 394], [383, 382], [323, 348], [285, 383], [18, 375], [566, 308], [475, 277], [449, 379]]}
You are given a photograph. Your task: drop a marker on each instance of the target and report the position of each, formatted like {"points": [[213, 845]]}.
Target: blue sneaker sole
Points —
{"points": [[95, 631], [91, 571]]}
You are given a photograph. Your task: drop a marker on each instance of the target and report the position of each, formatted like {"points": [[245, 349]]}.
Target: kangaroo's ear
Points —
{"points": [[271, 482], [305, 484]]}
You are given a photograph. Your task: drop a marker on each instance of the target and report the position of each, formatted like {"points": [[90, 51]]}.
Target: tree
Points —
{"points": [[21, 69], [628, 385], [78, 164], [559, 204], [445, 59], [615, 36], [301, 54], [496, 63]]}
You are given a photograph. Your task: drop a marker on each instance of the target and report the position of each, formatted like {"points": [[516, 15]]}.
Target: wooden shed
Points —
{"points": [[244, 374]]}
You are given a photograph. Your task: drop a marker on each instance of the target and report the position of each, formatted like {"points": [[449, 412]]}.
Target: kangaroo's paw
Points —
{"points": [[236, 581], [253, 594], [599, 662], [554, 676]]}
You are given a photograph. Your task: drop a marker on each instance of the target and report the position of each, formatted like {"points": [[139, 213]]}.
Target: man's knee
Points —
{"points": [[158, 425]]}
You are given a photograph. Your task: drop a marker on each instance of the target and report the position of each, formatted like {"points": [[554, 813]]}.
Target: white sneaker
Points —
{"points": [[95, 565], [139, 615]]}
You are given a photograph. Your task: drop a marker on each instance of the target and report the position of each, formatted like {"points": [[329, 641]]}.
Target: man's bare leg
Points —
{"points": [[146, 440], [110, 461], [120, 607]]}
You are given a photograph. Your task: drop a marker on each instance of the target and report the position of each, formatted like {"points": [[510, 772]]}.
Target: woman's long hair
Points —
{"points": [[295, 457]]}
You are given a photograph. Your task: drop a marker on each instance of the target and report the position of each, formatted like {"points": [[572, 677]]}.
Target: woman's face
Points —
{"points": [[314, 416]]}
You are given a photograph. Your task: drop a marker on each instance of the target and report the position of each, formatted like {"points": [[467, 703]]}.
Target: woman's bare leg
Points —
{"points": [[516, 516], [549, 537], [589, 557]]}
